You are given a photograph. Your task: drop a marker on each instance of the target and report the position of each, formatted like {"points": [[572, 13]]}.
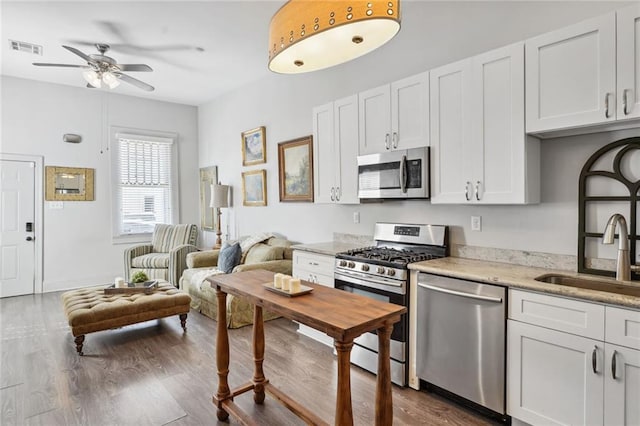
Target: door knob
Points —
{"points": [[30, 238]]}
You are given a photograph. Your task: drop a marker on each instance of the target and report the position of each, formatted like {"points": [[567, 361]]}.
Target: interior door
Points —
{"points": [[17, 211]]}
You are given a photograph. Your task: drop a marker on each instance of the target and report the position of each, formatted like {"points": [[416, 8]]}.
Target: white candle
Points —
{"points": [[295, 285], [277, 280], [119, 282], [286, 283]]}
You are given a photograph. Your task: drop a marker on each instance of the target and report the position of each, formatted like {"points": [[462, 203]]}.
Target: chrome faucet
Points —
{"points": [[623, 264]]}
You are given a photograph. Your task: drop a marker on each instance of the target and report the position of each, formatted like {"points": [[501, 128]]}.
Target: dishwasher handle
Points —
{"points": [[461, 293]]}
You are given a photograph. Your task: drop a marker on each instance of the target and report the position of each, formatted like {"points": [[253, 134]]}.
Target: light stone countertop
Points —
{"points": [[329, 248], [522, 277]]}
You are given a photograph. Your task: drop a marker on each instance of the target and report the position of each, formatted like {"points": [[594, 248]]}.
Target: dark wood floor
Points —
{"points": [[153, 374]]}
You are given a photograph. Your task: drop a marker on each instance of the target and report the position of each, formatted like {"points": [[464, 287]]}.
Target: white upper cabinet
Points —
{"points": [[451, 132], [628, 48], [395, 116], [576, 79], [335, 145], [480, 152]]}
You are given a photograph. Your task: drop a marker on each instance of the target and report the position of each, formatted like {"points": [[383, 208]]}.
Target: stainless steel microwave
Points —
{"points": [[394, 174]]}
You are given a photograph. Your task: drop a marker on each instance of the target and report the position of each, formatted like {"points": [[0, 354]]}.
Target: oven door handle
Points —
{"points": [[370, 282], [461, 293]]}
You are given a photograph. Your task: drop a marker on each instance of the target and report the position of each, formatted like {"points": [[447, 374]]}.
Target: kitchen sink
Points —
{"points": [[590, 284]]}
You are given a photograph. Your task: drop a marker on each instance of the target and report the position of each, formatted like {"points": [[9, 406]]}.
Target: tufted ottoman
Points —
{"points": [[90, 310]]}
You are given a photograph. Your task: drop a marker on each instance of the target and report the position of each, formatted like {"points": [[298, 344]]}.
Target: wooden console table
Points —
{"points": [[341, 315]]}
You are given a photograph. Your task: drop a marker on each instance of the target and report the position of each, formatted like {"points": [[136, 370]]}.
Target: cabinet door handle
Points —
{"points": [[466, 191], [594, 360], [478, 190], [625, 101], [395, 139], [337, 193], [606, 105], [386, 141], [332, 195], [613, 365]]}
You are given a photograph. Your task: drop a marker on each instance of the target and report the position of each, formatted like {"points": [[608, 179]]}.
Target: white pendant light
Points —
{"points": [[310, 35]]}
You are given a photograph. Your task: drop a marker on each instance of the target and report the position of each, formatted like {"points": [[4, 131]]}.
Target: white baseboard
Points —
{"points": [[51, 286]]}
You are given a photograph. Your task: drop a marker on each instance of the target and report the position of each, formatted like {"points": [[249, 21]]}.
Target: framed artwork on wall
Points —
{"points": [[208, 177], [254, 188], [295, 169], [69, 184], [254, 146]]}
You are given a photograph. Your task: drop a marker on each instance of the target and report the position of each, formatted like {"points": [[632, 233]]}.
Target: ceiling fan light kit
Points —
{"points": [[102, 71], [310, 35]]}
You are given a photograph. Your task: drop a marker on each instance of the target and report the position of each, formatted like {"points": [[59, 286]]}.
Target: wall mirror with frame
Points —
{"points": [[208, 177], [69, 184]]}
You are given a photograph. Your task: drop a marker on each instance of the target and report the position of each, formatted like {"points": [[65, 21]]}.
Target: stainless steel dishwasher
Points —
{"points": [[461, 338]]}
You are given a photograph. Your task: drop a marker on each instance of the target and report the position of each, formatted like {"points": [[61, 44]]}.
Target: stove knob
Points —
{"points": [[351, 265], [365, 267], [380, 270], [391, 272], [343, 263]]}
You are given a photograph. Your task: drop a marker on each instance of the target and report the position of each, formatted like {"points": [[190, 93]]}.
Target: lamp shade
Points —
{"points": [[219, 196], [92, 77], [309, 35]]}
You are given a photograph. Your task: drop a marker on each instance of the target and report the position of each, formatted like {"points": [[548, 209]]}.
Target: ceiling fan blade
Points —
{"points": [[134, 67], [44, 64], [140, 84], [77, 52]]}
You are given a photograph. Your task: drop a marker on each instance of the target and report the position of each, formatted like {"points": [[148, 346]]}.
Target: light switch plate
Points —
{"points": [[356, 217], [476, 223]]}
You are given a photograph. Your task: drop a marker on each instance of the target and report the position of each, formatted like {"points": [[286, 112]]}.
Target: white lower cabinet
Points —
{"points": [[622, 386], [316, 268], [550, 376], [557, 377]]}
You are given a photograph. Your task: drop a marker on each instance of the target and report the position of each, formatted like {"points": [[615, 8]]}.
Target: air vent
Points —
{"points": [[22, 46]]}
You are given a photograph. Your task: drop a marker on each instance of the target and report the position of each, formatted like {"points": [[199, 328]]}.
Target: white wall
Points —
{"points": [[77, 239], [432, 34]]}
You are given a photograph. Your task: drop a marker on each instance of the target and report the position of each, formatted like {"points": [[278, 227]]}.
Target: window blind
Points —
{"points": [[144, 183]]}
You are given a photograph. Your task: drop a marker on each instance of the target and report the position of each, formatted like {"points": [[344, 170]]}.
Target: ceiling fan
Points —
{"points": [[103, 71]]}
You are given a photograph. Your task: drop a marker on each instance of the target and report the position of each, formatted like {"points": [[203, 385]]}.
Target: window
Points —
{"points": [[144, 189]]}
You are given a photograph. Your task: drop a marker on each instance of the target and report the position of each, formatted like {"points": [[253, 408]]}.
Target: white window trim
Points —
{"points": [[115, 133]]}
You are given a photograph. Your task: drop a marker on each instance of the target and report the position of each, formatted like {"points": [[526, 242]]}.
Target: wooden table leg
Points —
{"points": [[222, 355], [384, 403], [258, 355], [344, 413]]}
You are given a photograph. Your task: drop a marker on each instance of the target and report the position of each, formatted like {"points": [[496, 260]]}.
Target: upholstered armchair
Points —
{"points": [[165, 257]]}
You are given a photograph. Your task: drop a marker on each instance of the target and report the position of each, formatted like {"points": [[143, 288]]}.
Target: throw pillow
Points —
{"points": [[229, 257], [263, 253]]}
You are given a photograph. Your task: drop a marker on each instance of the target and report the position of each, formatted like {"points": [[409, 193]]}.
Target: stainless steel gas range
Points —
{"points": [[381, 272]]}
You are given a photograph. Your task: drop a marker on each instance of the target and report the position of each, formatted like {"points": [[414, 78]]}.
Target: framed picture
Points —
{"points": [[254, 146], [208, 177], [68, 184], [254, 188], [295, 169]]}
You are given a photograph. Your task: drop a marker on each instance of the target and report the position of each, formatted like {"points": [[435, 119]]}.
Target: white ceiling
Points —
{"points": [[233, 36], [165, 35]]}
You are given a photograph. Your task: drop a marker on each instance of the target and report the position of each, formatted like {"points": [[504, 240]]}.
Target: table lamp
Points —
{"points": [[219, 199]]}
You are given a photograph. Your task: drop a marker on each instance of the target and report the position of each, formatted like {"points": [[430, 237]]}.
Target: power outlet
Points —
{"points": [[55, 205], [476, 223], [356, 217]]}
